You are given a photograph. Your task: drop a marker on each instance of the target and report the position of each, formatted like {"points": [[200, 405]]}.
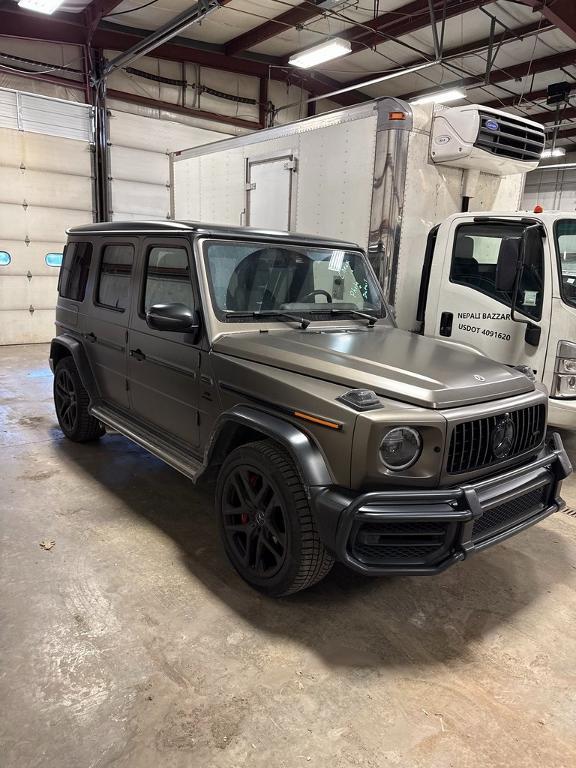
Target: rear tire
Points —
{"points": [[71, 402], [266, 523]]}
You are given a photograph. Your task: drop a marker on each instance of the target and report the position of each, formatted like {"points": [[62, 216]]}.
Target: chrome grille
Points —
{"points": [[471, 442], [513, 138]]}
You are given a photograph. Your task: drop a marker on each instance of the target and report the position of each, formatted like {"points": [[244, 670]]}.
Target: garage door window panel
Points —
{"points": [[74, 271], [168, 279], [475, 258], [116, 265]]}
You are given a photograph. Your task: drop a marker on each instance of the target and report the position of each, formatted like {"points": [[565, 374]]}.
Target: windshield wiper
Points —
{"points": [[354, 312], [272, 313]]}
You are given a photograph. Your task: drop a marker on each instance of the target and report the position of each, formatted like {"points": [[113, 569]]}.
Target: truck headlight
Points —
{"points": [[401, 448], [565, 376]]}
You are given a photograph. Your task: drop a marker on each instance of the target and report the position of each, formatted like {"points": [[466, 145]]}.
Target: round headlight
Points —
{"points": [[401, 448]]}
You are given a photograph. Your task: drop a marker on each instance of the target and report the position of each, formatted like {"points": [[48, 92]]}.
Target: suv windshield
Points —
{"points": [[565, 232], [251, 277]]}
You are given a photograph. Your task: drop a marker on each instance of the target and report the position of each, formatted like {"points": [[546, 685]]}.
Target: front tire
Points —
{"points": [[71, 402], [266, 522]]}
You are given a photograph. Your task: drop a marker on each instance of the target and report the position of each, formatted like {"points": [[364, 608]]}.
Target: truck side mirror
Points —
{"points": [[172, 317], [507, 265], [531, 247]]}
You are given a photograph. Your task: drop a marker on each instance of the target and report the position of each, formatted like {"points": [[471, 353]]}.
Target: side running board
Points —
{"points": [[175, 457]]}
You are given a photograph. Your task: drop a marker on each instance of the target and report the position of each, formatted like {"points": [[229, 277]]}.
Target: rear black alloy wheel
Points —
{"points": [[71, 402], [65, 400], [266, 523]]}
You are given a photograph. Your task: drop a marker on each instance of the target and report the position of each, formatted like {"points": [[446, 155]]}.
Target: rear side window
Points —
{"points": [[5, 258], [168, 278], [114, 279], [74, 271]]}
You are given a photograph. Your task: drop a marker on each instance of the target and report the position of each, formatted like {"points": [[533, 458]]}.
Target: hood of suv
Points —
{"points": [[414, 369]]}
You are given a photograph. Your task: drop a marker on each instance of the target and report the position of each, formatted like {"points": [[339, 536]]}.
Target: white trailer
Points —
{"points": [[398, 179]]}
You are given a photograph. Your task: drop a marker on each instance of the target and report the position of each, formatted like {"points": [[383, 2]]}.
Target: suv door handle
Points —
{"points": [[137, 354], [90, 337], [446, 323]]}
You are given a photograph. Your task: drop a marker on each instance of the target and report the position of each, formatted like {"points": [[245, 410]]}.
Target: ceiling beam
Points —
{"points": [[135, 98], [561, 13], [477, 46], [405, 20], [408, 18], [291, 18], [517, 100], [514, 72], [549, 116], [67, 28], [99, 9]]}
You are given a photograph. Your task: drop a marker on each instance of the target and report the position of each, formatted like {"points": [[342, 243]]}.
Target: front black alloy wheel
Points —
{"points": [[71, 402], [254, 520], [266, 522]]}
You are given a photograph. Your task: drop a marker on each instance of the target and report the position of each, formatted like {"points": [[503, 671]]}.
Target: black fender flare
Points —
{"points": [[304, 451], [64, 345]]}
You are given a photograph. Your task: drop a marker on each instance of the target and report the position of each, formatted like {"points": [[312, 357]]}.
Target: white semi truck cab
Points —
{"points": [[399, 180], [506, 285]]}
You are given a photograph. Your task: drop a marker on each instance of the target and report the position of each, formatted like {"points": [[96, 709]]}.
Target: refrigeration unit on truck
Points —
{"points": [[433, 195]]}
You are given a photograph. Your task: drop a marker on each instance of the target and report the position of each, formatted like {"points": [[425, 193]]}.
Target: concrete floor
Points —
{"points": [[133, 643]]}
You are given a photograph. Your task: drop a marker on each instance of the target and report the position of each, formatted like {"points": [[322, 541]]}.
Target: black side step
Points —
{"points": [[174, 456]]}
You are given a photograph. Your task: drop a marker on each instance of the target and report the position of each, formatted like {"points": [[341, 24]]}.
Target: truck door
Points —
{"points": [[269, 192], [468, 308]]}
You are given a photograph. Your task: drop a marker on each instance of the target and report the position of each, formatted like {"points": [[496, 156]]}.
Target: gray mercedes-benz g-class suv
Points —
{"points": [[269, 362]]}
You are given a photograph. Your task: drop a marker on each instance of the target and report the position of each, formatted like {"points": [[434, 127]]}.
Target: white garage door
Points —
{"points": [[45, 187], [139, 162]]}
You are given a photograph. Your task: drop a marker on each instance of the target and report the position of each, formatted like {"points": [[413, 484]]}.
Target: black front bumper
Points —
{"points": [[426, 531]]}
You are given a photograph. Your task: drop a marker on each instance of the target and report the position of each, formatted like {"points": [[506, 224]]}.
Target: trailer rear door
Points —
{"points": [[269, 192]]}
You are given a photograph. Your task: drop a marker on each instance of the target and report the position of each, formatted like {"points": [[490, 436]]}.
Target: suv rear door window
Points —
{"points": [[168, 277], [74, 271], [115, 273], [476, 250]]}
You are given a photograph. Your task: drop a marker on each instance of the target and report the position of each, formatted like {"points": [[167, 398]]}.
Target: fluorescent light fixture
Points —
{"points": [[331, 49], [556, 152], [41, 6], [442, 97]]}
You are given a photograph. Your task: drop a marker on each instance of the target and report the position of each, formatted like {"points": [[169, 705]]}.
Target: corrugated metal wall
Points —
{"points": [[555, 190], [139, 162]]}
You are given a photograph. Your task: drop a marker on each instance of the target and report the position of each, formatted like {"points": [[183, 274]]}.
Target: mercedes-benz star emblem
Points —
{"points": [[503, 437]]}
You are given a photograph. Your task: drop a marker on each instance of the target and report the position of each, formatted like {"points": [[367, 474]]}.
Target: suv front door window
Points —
{"points": [[164, 366]]}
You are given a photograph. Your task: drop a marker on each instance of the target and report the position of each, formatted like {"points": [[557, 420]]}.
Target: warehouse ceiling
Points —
{"points": [[504, 53]]}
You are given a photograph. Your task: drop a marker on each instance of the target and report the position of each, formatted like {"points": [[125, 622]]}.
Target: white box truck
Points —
{"points": [[399, 180]]}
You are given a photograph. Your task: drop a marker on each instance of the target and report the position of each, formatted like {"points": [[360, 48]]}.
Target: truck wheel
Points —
{"points": [[71, 401], [266, 523]]}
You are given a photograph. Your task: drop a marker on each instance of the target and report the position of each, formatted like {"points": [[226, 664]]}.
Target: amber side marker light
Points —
{"points": [[396, 115], [316, 420]]}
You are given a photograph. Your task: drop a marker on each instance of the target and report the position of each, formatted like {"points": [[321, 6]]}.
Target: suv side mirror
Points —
{"points": [[172, 317], [507, 265]]}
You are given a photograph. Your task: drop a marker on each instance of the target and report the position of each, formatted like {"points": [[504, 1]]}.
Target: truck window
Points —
{"points": [[74, 271], [477, 247], [565, 232], [114, 278], [167, 277]]}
